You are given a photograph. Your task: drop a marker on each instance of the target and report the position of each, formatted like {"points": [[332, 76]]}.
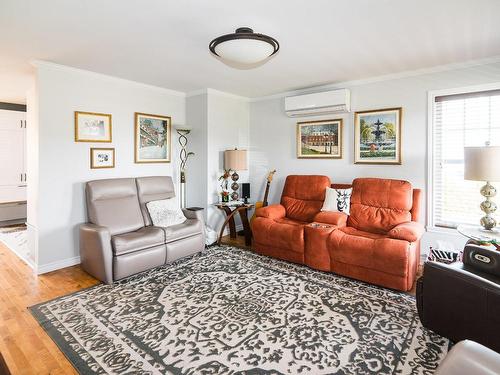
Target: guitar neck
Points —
{"points": [[266, 193]]}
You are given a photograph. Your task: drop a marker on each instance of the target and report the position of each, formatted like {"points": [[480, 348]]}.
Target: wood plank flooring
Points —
{"points": [[25, 346]]}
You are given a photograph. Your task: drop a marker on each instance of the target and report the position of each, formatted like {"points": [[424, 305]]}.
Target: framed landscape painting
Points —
{"points": [[102, 158], [92, 127], [319, 139], [152, 138], [377, 136]]}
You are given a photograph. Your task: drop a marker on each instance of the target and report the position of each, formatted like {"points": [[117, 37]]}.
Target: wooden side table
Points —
{"points": [[230, 210]]}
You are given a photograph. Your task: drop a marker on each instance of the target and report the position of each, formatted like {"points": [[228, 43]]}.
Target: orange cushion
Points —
{"points": [[303, 196], [371, 251], [378, 205], [281, 233]]}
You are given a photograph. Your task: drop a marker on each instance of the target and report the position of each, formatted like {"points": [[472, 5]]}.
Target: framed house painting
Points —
{"points": [[152, 138], [319, 139], [377, 136], [92, 127], [102, 158]]}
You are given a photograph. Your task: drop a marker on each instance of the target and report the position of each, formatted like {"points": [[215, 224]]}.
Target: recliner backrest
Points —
{"points": [[378, 205], [303, 196], [113, 203], [152, 189]]}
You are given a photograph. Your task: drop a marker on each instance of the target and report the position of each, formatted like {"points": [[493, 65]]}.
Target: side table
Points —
{"points": [[230, 210], [479, 236]]}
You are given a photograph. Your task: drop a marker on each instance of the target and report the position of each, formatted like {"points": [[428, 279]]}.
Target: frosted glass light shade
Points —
{"points": [[244, 47], [235, 160], [244, 51], [482, 163]]}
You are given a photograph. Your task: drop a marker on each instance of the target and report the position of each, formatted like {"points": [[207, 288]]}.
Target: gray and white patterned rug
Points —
{"points": [[229, 311]]}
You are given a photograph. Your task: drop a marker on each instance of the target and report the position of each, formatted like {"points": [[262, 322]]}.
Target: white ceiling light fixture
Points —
{"points": [[244, 47]]}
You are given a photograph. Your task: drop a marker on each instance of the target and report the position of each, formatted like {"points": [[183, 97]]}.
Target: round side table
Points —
{"points": [[480, 236], [230, 210]]}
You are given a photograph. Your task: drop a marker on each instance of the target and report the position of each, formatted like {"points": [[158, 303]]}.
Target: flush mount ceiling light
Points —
{"points": [[244, 46]]}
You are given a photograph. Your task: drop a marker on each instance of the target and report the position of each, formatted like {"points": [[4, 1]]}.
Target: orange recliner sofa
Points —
{"points": [[381, 242], [378, 243]]}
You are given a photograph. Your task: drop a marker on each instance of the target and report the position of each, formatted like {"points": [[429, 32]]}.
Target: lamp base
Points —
{"points": [[488, 191]]}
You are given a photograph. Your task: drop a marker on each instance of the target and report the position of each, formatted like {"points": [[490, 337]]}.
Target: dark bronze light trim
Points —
{"points": [[244, 33]]}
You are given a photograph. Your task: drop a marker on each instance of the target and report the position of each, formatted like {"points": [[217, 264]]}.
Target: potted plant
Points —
{"points": [[224, 195]]}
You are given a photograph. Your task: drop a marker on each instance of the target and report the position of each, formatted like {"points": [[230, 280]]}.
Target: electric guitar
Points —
{"points": [[264, 202]]}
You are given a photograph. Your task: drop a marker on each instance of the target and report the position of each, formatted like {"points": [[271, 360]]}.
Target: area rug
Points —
{"points": [[230, 311], [16, 239]]}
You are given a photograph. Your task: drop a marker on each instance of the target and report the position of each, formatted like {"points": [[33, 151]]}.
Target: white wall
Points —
{"points": [[220, 122], [273, 134], [64, 164]]}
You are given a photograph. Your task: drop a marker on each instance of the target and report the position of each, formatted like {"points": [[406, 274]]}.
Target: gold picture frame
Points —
{"points": [[320, 139], [93, 127], [99, 158], [378, 136], [154, 144]]}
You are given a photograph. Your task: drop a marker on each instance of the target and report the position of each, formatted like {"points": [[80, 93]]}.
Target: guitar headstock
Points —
{"points": [[270, 175]]}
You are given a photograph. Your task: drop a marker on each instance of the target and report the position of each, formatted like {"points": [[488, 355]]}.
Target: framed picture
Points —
{"points": [[152, 138], [319, 139], [92, 127], [377, 136], [102, 158]]}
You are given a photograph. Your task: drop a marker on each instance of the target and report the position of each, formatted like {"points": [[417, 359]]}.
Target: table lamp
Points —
{"points": [[235, 160], [483, 164]]}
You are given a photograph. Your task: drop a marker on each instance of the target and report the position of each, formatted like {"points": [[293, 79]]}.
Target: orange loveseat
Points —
{"points": [[379, 242]]}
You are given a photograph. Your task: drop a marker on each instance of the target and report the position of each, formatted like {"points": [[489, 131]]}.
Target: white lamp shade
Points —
{"points": [[244, 51], [482, 163], [235, 160]]}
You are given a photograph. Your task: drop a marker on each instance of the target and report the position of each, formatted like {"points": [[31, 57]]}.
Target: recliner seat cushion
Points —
{"points": [[370, 250], [286, 234], [188, 228], [303, 196], [143, 238], [378, 205]]}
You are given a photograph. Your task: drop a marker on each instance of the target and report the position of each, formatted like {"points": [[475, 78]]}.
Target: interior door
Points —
{"points": [[11, 157]]}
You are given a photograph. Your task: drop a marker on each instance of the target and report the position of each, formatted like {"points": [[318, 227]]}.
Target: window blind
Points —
{"points": [[466, 119]]}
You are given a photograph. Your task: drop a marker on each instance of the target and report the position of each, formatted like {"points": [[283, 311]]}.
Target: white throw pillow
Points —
{"points": [[337, 200], [165, 212]]}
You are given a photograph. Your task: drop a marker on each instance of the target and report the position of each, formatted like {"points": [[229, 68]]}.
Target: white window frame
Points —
{"points": [[431, 96]]}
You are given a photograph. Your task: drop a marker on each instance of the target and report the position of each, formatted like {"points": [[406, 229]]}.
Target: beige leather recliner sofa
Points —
{"points": [[119, 239]]}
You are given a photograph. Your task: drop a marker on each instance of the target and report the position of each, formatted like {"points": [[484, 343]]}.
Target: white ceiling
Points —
{"points": [[165, 42]]}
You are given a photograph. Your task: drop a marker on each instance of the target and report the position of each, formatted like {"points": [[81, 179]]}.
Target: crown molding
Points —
{"points": [[381, 78], [66, 68], [209, 91]]}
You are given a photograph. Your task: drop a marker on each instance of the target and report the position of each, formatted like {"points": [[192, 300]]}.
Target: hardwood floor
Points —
{"points": [[25, 346]]}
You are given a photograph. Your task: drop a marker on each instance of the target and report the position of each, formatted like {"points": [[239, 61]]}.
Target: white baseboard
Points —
{"points": [[53, 266]]}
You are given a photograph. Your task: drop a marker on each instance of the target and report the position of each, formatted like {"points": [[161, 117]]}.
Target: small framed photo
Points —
{"points": [[152, 138], [377, 136], [92, 127], [319, 139], [102, 158]]}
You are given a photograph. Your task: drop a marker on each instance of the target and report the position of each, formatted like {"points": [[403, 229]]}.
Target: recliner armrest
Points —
{"points": [[411, 231], [274, 211], [193, 214], [96, 254], [332, 217]]}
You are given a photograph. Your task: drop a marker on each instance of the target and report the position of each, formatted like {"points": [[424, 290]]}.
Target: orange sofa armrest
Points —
{"points": [[274, 211], [411, 231], [331, 217]]}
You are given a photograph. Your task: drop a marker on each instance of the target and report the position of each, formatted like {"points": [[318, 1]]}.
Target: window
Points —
{"points": [[459, 120]]}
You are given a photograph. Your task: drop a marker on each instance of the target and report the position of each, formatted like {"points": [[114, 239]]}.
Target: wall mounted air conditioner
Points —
{"points": [[317, 104]]}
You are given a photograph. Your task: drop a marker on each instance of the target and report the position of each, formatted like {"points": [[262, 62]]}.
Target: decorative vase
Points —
{"points": [[225, 197]]}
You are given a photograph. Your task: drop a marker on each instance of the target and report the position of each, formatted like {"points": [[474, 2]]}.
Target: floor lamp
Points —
{"points": [[184, 156]]}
